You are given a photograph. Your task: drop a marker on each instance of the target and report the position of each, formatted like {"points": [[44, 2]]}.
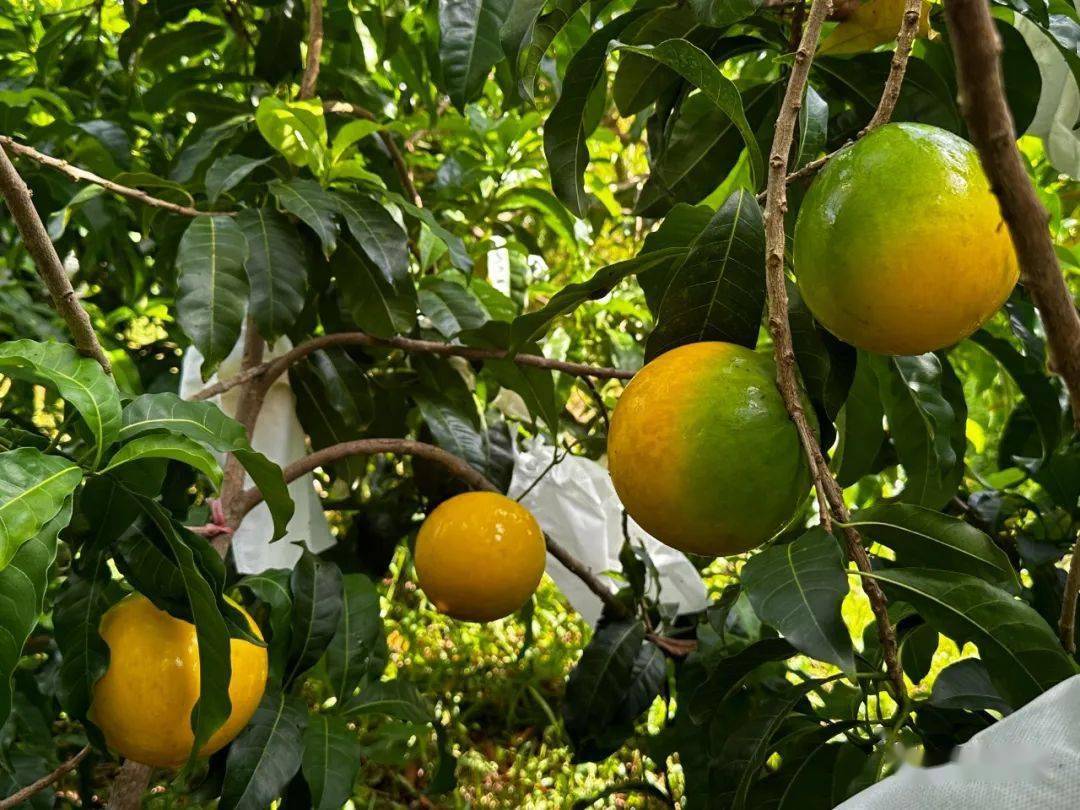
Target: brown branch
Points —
{"points": [[271, 370], [314, 50], [992, 130], [83, 176], [49, 267], [402, 168], [456, 466], [20, 796], [830, 495], [890, 94], [129, 786]]}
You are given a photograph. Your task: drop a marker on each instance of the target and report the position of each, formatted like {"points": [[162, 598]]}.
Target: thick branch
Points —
{"points": [[456, 466], [990, 125], [83, 176], [1067, 621], [129, 786], [271, 370], [314, 50], [20, 796], [830, 496], [402, 168], [890, 94], [48, 263]]}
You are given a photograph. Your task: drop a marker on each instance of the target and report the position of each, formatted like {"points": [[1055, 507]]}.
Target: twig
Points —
{"points": [[271, 370], [49, 267], [830, 496], [890, 94], [402, 168], [129, 786], [314, 50], [20, 796], [83, 176], [990, 124], [458, 467]]}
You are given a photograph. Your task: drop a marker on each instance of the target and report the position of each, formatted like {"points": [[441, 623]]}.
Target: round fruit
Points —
{"points": [[479, 556], [143, 703], [702, 451], [900, 247]]}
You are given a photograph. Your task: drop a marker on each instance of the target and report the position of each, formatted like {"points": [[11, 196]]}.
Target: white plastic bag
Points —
{"points": [[279, 436], [1030, 760], [576, 504]]}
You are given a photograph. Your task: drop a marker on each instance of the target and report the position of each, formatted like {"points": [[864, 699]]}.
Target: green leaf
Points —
{"points": [[530, 325], [966, 684], [178, 448], [798, 588], [212, 289], [169, 46], [860, 425], [469, 45], [616, 679], [379, 306], [694, 65], [306, 200], [356, 638], [924, 538], [34, 488], [917, 650], [379, 236], [451, 307], [23, 583], [1020, 650], [205, 423], [296, 129], [459, 255], [202, 146], [347, 388], [331, 761], [536, 386], [723, 12], [455, 426], [272, 588], [228, 172], [925, 407], [316, 586], [276, 269], [79, 380], [639, 81], [396, 698], [531, 36], [266, 755], [718, 291], [813, 126], [725, 674], [567, 127]]}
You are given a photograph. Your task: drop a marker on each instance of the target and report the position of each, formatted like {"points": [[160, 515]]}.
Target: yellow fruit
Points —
{"points": [[143, 703], [900, 247], [702, 452], [479, 556]]}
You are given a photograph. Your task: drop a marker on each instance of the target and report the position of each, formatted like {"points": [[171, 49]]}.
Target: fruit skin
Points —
{"points": [[479, 556], [143, 703], [702, 451], [900, 247]]}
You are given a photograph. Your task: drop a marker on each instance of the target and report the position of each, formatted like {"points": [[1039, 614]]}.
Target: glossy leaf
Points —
{"points": [[34, 488], [226, 173], [860, 424], [212, 287], [798, 588], [177, 448], [79, 380], [356, 638], [378, 306], [966, 684], [296, 129], [331, 761], [266, 755], [271, 587], [276, 270], [316, 208], [451, 307], [469, 44], [316, 587], [379, 236]]}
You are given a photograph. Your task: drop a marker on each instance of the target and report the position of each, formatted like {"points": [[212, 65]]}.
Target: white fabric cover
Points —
{"points": [[279, 436], [576, 504], [1029, 760]]}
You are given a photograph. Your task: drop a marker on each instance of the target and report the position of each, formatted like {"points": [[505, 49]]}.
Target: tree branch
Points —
{"points": [[129, 785], [890, 94], [49, 267], [830, 495], [992, 130], [314, 50], [271, 370], [456, 466], [402, 168], [83, 176], [20, 796]]}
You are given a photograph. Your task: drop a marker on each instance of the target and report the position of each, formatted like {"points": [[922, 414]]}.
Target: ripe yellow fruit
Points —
{"points": [[900, 247], [703, 453], [143, 703], [479, 556]]}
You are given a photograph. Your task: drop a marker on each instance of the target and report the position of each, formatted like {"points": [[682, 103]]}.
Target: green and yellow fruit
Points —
{"points": [[900, 247], [143, 702], [479, 556], [703, 453]]}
